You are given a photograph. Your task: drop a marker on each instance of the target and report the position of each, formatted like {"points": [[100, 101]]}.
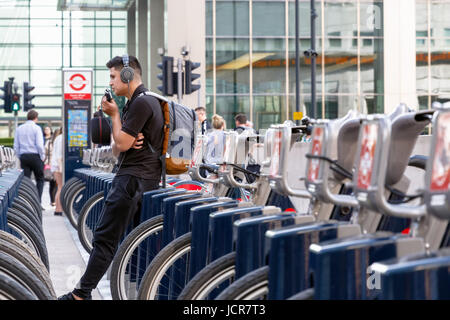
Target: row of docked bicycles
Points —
{"points": [[350, 208], [24, 266]]}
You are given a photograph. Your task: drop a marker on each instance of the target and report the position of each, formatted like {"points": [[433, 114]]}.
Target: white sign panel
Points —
{"points": [[77, 84]]}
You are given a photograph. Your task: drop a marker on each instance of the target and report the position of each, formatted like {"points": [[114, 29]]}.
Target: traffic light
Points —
{"points": [[27, 105], [15, 102], [7, 97], [189, 66], [166, 76]]}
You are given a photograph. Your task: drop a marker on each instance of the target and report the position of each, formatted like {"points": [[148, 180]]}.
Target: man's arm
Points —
{"points": [[113, 147], [138, 142], [122, 140], [16, 142], [40, 143]]}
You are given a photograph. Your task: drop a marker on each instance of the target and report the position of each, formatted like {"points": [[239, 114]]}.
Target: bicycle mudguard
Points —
{"points": [[156, 201], [181, 227], [3, 219], [288, 252], [199, 221], [183, 212], [427, 273], [147, 202], [221, 229], [249, 238], [341, 266], [168, 210]]}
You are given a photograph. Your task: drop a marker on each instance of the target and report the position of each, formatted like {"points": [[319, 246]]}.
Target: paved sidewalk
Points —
{"points": [[66, 255]]}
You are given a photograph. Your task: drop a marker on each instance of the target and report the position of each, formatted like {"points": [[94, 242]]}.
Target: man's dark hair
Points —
{"points": [[117, 63], [200, 109], [32, 114], [241, 118]]}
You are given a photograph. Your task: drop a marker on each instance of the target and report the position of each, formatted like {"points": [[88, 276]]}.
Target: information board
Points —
{"points": [[77, 104]]}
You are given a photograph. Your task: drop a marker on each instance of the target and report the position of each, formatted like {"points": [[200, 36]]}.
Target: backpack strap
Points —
{"points": [[162, 157]]}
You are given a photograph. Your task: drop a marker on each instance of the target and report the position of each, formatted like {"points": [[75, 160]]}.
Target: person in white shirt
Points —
{"points": [[216, 141], [56, 167], [29, 147]]}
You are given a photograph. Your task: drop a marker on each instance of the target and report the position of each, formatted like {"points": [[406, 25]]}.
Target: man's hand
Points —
{"points": [[110, 108], [138, 142]]}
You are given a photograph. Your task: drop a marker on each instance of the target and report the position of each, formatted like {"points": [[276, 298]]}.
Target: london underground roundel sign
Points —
{"points": [[77, 85], [77, 82]]}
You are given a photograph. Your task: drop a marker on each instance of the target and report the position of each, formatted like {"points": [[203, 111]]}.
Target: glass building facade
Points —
{"points": [[250, 54], [37, 41], [349, 44], [433, 51]]}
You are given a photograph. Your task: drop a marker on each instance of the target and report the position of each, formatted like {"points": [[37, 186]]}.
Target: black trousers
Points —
{"points": [[52, 190], [31, 162], [122, 205]]}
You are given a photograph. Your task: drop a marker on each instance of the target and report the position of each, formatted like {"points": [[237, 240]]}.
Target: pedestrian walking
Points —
{"points": [[48, 174], [29, 146], [57, 167], [201, 116]]}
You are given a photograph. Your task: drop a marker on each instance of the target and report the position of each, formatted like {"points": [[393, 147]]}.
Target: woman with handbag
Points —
{"points": [[56, 167], [48, 175]]}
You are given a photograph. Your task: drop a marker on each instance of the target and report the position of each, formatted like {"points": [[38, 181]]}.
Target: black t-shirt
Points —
{"points": [[142, 114], [205, 126]]}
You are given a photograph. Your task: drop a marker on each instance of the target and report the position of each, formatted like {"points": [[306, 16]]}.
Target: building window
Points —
{"points": [[255, 58], [432, 52], [37, 41]]}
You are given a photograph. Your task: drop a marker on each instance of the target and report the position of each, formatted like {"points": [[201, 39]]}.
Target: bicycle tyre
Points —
{"points": [[71, 197], [28, 183], [23, 255], [65, 189], [252, 286], [155, 272], [31, 234], [209, 278], [307, 294], [33, 202], [14, 268], [126, 249], [11, 289], [81, 225], [18, 209], [68, 191]]}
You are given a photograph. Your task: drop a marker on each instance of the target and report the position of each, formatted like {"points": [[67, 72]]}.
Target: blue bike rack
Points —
{"points": [[221, 229], [415, 277], [147, 208], [199, 221], [169, 214], [9, 189], [250, 240], [288, 251], [341, 266], [182, 214], [198, 225], [146, 251]]}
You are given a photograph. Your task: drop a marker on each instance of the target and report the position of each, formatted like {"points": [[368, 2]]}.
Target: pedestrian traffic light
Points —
{"points": [[27, 105], [15, 102], [7, 96], [166, 76], [189, 66]]}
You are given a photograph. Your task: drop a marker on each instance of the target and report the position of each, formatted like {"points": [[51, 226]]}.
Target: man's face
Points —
{"points": [[117, 86], [201, 115]]}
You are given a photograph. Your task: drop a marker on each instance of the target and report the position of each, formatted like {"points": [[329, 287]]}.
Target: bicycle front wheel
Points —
{"points": [[133, 257], [252, 286], [167, 274]]}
